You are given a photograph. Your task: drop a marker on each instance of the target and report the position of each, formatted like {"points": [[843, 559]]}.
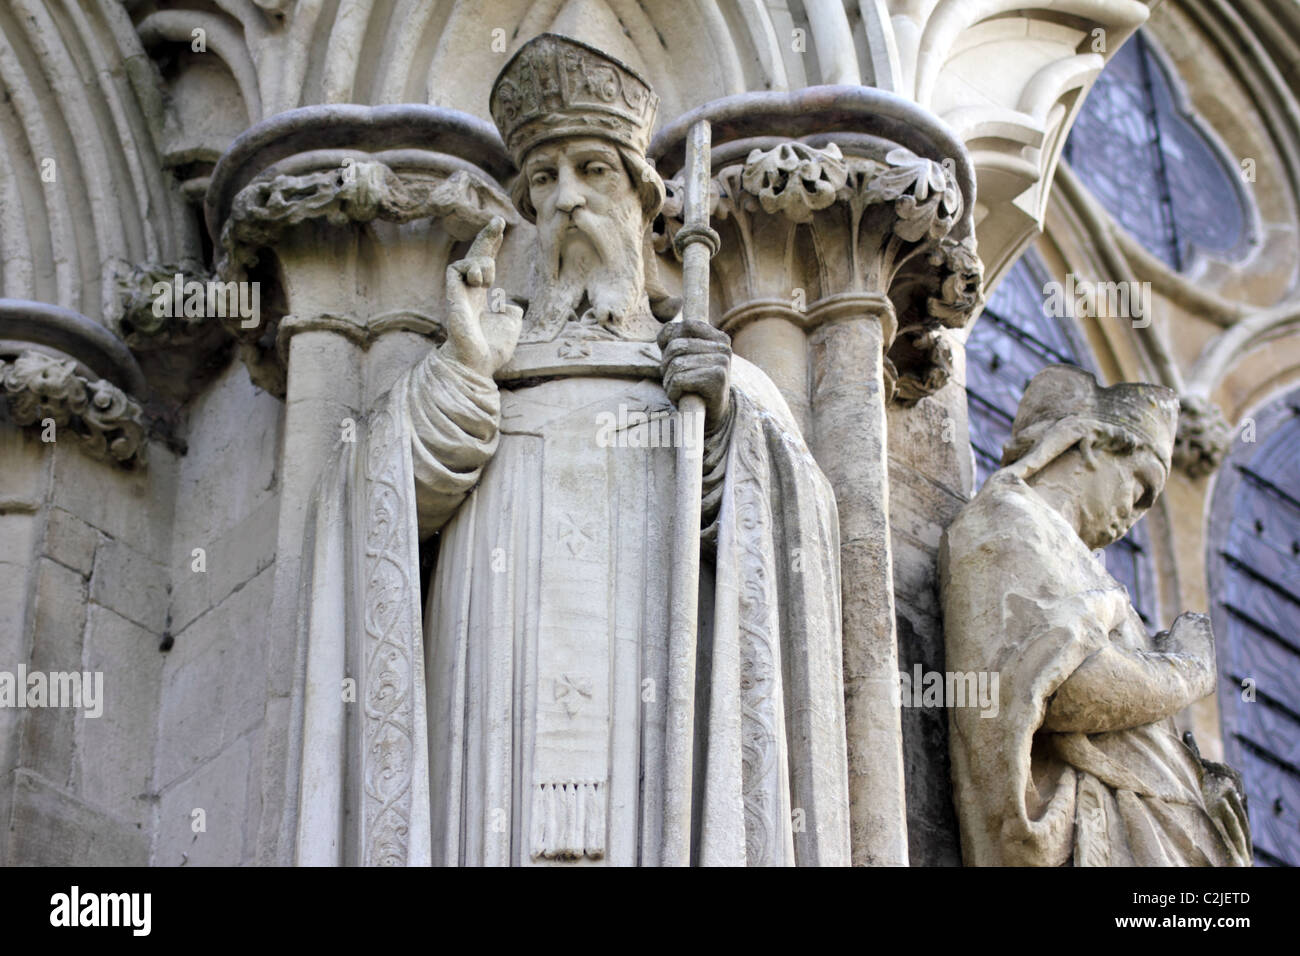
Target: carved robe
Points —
{"points": [[1023, 596], [518, 718]]}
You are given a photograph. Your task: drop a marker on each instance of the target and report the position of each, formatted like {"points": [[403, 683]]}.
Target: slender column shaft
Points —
{"points": [[770, 336], [324, 389], [848, 407]]}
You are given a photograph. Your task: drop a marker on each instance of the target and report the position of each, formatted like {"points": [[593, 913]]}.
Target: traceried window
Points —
{"points": [[1012, 341], [1254, 563], [1153, 165]]}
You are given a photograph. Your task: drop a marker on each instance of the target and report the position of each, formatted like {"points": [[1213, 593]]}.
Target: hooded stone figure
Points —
{"points": [[518, 717], [1080, 764]]}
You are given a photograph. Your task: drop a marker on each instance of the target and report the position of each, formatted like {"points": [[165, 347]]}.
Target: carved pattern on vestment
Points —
{"points": [[760, 663], [572, 691], [575, 534], [391, 630], [1091, 830]]}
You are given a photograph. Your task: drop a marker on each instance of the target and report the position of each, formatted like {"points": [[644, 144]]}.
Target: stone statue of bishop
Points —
{"points": [[517, 717]]}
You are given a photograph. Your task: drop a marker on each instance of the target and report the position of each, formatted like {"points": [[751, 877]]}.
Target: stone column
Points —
{"points": [[852, 333], [356, 240], [840, 263]]}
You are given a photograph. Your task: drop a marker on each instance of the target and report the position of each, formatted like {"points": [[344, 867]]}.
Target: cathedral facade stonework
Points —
{"points": [[552, 434]]}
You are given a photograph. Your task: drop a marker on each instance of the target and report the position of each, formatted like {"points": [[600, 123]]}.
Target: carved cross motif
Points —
{"points": [[575, 535], [573, 691], [574, 348]]}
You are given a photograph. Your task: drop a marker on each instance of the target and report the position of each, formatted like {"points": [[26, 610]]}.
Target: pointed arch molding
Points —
{"points": [[1006, 75], [84, 196], [1103, 249]]}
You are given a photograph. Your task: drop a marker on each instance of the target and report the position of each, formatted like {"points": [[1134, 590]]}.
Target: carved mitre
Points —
{"points": [[555, 87], [1059, 392]]}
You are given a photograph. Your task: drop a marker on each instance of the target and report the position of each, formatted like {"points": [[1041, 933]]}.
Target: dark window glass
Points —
{"points": [[1255, 581], [1012, 341], [1152, 166]]}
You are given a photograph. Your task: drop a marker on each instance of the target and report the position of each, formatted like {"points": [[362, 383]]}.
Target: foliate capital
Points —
{"points": [[794, 179], [41, 389], [1203, 436]]}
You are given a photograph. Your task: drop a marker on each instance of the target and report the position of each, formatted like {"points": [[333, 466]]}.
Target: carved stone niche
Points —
{"points": [[59, 366], [347, 217]]}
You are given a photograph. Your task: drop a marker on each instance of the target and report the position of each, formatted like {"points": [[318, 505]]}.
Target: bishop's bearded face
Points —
{"points": [[590, 227]]}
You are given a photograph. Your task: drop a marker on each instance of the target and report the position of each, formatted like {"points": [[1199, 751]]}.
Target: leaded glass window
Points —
{"points": [[1153, 166], [1255, 586], [1012, 341]]}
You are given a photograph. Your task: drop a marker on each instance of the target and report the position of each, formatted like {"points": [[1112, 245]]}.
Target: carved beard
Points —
{"points": [[596, 256]]}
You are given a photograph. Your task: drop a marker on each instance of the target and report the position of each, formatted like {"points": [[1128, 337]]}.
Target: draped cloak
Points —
{"points": [[1024, 597], [519, 716]]}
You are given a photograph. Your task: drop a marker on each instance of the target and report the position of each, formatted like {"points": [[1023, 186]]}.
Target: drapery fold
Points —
{"points": [[1026, 796], [385, 782]]}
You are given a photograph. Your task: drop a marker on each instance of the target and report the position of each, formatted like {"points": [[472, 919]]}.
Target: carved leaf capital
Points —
{"points": [[795, 179], [39, 387], [354, 192], [1203, 436], [925, 195], [879, 224]]}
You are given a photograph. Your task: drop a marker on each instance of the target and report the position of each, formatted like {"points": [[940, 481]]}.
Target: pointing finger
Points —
{"points": [[488, 241]]}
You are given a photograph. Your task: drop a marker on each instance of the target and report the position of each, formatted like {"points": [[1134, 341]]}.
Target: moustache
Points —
{"points": [[581, 223]]}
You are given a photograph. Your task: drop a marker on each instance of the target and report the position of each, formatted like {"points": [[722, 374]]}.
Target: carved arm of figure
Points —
{"points": [[1116, 689], [697, 361], [454, 405]]}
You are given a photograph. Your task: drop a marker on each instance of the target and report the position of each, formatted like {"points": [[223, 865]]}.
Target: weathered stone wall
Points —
{"points": [[100, 568], [83, 569], [213, 683], [930, 477]]}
